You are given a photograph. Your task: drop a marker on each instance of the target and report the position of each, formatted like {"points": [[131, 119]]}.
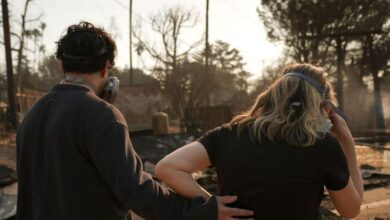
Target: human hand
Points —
{"points": [[228, 213], [340, 128]]}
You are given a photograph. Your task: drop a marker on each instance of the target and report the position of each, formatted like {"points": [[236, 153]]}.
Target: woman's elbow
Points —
{"points": [[352, 212], [347, 201], [161, 170]]}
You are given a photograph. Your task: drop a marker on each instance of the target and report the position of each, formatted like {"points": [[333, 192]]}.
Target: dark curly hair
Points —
{"points": [[85, 48]]}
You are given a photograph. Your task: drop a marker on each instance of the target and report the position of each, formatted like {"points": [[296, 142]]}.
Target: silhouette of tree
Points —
{"points": [[49, 73], [226, 60], [26, 33], [169, 24], [181, 72]]}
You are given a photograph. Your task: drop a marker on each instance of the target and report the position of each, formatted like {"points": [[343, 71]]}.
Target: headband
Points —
{"points": [[320, 88]]}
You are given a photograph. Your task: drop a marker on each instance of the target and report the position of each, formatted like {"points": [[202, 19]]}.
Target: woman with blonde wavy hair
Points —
{"points": [[278, 156]]}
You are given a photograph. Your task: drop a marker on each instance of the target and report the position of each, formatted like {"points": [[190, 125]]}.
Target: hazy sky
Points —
{"points": [[232, 21]]}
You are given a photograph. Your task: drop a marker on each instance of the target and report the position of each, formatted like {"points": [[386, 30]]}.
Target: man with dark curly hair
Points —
{"points": [[74, 155]]}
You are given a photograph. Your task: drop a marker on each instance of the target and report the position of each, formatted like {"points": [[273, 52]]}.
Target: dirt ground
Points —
{"points": [[8, 158], [376, 205], [8, 150]]}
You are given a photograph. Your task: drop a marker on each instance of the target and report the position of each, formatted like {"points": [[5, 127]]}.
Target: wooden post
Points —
{"points": [[131, 42]]}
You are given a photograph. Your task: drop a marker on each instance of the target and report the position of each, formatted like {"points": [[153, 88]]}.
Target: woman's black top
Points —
{"points": [[275, 180]]}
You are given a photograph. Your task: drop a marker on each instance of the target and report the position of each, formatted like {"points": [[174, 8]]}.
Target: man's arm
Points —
{"points": [[118, 164]]}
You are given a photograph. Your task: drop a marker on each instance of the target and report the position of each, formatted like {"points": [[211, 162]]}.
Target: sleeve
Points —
{"points": [[335, 165], [209, 141], [116, 161]]}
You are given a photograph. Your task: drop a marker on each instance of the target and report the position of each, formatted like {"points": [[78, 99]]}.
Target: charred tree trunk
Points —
{"points": [[340, 77], [20, 57], [379, 116], [207, 50], [10, 75], [380, 119]]}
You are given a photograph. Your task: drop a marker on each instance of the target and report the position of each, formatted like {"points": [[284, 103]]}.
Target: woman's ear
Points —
{"points": [[326, 106]]}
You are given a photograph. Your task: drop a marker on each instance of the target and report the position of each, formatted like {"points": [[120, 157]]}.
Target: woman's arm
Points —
{"points": [[176, 168], [348, 200]]}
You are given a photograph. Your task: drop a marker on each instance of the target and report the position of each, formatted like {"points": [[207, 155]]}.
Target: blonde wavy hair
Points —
{"points": [[291, 110]]}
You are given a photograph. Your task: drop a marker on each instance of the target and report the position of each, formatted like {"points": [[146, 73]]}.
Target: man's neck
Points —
{"points": [[92, 79]]}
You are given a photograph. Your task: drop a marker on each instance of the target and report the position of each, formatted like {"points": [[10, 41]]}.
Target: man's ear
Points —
{"points": [[104, 70], [61, 66]]}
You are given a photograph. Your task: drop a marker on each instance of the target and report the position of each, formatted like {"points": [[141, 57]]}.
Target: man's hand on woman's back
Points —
{"points": [[228, 213]]}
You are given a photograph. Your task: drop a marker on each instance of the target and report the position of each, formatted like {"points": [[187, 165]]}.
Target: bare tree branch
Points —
{"points": [[35, 19], [16, 35]]}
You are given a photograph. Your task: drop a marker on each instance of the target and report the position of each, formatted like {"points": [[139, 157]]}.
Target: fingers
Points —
{"points": [[227, 218], [227, 213], [226, 199], [326, 106], [335, 110], [236, 211], [333, 116]]}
